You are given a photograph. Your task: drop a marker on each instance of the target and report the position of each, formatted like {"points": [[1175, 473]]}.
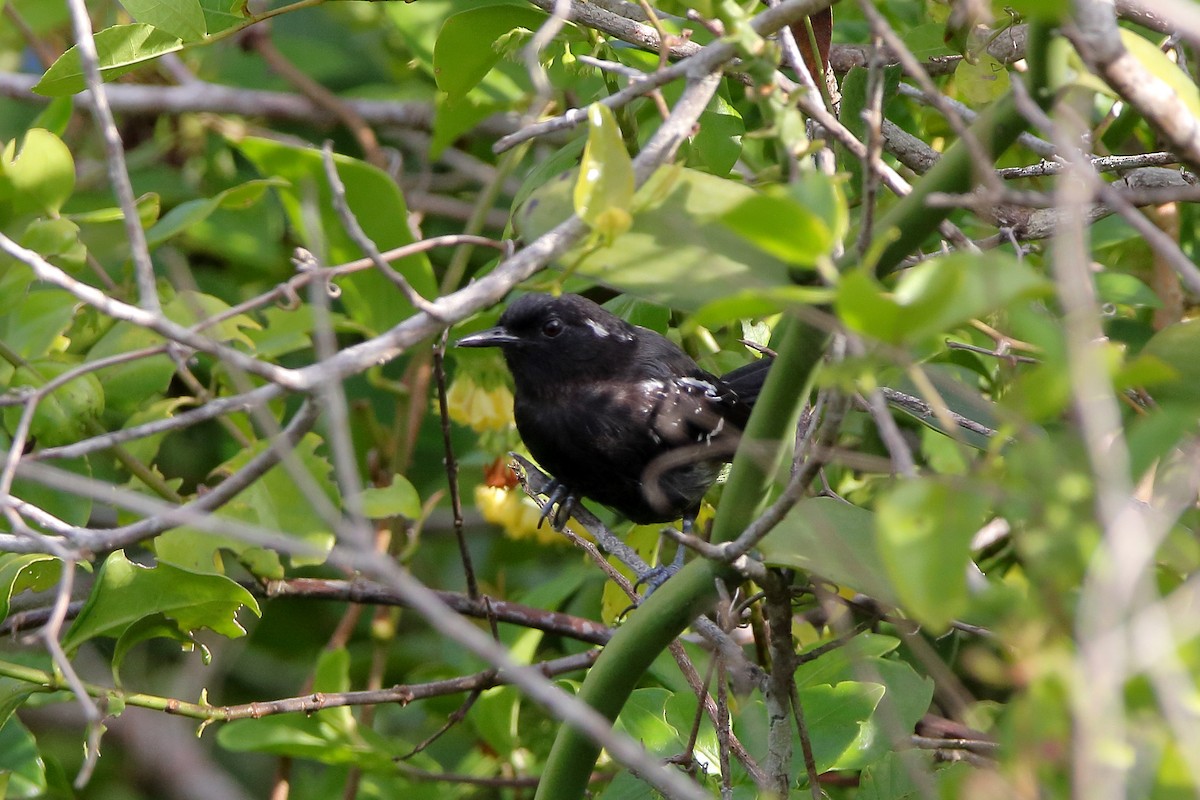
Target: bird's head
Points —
{"points": [[549, 339]]}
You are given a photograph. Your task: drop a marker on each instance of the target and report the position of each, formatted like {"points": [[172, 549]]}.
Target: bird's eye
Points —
{"points": [[552, 328]]}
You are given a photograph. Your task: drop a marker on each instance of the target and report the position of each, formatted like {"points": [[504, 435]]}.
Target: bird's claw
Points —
{"points": [[657, 576], [560, 505]]}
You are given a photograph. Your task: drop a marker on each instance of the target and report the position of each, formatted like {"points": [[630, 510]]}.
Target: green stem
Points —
{"points": [[43, 681], [266, 15]]}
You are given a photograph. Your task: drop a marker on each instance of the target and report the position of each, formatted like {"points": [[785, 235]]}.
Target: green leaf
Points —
{"points": [[125, 593], [466, 50], [181, 18], [958, 389], [676, 253], [835, 666], [71, 508], [20, 761], [906, 698], [13, 694], [923, 530], [837, 718], [604, 188], [274, 501], [288, 330], [38, 176], [188, 308], [642, 717], [850, 113], [103, 230], [1123, 289], [494, 716], [55, 116], [717, 144], [934, 297], [776, 223], [65, 414], [53, 237], [27, 571], [330, 736], [121, 48], [1048, 11], [131, 386], [398, 500], [896, 777], [370, 298], [1176, 347], [1153, 436], [145, 449], [834, 540], [982, 81], [37, 319], [221, 15], [147, 206], [185, 215], [823, 196], [200, 551], [457, 114], [155, 626]]}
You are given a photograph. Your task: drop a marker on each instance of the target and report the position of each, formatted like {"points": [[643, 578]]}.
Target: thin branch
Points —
{"points": [[118, 173], [481, 607], [1092, 29], [203, 97], [151, 320], [1099, 163], [359, 236], [698, 61], [311, 703]]}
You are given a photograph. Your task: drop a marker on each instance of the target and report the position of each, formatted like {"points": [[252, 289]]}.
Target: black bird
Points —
{"points": [[615, 412]]}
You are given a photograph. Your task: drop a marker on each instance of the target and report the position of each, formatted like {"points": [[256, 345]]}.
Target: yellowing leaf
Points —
{"points": [[604, 188], [983, 81], [1163, 68], [37, 173]]}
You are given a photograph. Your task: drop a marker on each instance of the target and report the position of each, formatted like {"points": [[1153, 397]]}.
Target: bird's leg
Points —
{"points": [[658, 575]]}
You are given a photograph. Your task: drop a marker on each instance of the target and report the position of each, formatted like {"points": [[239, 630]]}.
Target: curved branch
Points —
{"points": [[1094, 32]]}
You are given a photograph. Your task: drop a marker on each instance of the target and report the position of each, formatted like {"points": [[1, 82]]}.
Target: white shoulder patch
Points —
{"points": [[598, 329]]}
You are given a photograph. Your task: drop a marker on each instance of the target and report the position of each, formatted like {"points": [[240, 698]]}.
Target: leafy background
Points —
{"points": [[981, 576]]}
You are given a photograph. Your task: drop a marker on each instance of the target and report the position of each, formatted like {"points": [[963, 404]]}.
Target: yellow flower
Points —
{"points": [[482, 409], [518, 515]]}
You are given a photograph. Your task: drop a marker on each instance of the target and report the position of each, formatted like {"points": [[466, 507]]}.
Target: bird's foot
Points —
{"points": [[657, 576], [560, 505], [561, 502]]}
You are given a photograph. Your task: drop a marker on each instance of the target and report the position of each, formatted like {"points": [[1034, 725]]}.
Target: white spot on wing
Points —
{"points": [[696, 383]]}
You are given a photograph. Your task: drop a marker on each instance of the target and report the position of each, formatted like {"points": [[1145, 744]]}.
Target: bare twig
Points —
{"points": [[354, 229], [118, 173]]}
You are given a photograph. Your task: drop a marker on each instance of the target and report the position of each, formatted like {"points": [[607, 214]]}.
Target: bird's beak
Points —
{"points": [[492, 337]]}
